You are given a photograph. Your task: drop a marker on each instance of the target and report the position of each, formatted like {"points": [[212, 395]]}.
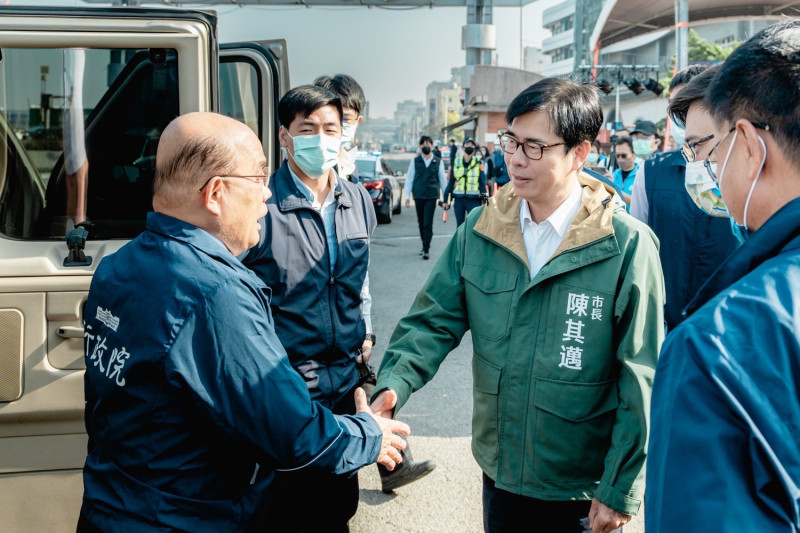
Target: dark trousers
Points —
{"points": [[505, 512], [84, 526], [313, 502], [425, 209], [464, 205]]}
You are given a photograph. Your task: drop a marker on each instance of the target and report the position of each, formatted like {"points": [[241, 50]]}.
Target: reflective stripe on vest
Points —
{"points": [[469, 184]]}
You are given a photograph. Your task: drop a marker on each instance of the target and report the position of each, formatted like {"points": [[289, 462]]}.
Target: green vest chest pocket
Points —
{"points": [[490, 295]]}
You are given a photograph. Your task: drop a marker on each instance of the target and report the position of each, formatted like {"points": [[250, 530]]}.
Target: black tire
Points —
{"points": [[399, 207], [386, 218]]}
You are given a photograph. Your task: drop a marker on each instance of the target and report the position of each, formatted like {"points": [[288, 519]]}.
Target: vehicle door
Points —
{"points": [[253, 78], [84, 96]]}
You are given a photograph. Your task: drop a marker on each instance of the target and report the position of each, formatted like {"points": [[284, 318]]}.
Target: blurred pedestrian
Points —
{"points": [[426, 180], [646, 139], [562, 293], [627, 165], [500, 169], [191, 404], [724, 452], [353, 102]]}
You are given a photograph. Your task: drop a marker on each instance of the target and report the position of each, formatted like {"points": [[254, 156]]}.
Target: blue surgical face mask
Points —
{"points": [[592, 158], [642, 147], [741, 231], [315, 154]]}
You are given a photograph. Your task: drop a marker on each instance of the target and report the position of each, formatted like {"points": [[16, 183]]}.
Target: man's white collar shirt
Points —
{"points": [[327, 209], [541, 240]]}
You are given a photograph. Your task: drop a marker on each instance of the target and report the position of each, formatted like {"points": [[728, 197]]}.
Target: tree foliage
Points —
{"points": [[701, 51]]}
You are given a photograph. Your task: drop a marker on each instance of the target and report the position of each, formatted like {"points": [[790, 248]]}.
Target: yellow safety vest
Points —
{"points": [[467, 179]]}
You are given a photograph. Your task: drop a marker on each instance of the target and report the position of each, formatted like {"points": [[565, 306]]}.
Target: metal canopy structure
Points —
{"points": [[387, 4], [624, 19]]}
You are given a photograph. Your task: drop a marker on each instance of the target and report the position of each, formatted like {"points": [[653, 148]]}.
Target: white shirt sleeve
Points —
{"points": [[409, 184], [442, 178], [639, 204], [366, 304]]}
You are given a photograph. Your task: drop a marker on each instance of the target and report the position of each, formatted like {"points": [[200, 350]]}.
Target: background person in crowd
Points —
{"points": [[313, 254], [488, 167], [191, 404], [693, 243], [500, 169], [646, 139], [353, 101], [562, 293], [426, 180], [627, 165], [467, 181], [726, 401]]}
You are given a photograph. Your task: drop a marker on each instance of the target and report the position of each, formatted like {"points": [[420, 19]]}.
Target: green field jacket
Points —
{"points": [[562, 364]]}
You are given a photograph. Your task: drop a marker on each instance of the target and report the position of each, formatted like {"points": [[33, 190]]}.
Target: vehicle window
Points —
{"points": [[80, 129], [386, 169], [239, 94], [366, 168]]}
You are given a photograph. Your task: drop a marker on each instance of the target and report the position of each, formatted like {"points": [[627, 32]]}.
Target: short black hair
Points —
{"points": [[346, 88], [624, 140], [304, 100], [684, 76], [759, 82], [693, 93], [573, 108], [425, 138]]}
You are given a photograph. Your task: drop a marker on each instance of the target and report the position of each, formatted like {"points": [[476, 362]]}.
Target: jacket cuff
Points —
{"points": [[619, 501]]}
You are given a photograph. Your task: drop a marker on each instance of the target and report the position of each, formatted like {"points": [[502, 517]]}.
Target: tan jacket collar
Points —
{"points": [[500, 222]]}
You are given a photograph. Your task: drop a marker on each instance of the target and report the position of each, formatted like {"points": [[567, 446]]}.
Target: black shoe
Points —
{"points": [[404, 474], [425, 255]]}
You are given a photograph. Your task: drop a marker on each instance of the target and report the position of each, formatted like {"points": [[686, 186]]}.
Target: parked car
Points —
{"points": [[381, 182], [143, 67], [398, 164]]}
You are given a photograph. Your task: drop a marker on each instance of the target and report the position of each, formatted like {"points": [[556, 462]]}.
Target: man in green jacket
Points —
{"points": [[563, 293]]}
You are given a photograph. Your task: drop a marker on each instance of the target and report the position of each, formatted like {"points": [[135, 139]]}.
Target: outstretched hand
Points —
{"points": [[604, 519], [391, 444]]}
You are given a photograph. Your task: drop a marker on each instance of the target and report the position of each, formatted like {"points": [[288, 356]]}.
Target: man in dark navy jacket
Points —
{"points": [[191, 403], [725, 412]]}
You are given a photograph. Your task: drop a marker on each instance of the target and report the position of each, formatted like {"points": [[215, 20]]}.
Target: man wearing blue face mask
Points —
{"points": [[726, 400], [313, 255], [693, 242]]}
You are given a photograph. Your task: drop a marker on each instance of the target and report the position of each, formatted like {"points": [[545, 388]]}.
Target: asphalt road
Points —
{"points": [[449, 498]]}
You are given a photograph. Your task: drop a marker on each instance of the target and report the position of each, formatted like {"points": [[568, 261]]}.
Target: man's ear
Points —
{"points": [[360, 119], [213, 196], [581, 153], [282, 137], [755, 148]]}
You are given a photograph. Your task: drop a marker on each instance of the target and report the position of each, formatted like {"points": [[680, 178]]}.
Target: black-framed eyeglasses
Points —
{"points": [[688, 149], [531, 149], [255, 178], [712, 155]]}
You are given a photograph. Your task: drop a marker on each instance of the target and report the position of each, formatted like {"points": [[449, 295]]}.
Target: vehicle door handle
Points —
{"points": [[70, 332]]}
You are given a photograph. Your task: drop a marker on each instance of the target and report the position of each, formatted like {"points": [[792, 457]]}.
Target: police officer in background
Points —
{"points": [[467, 181]]}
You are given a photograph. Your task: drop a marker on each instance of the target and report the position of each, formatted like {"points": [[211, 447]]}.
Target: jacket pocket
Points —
{"points": [[486, 389], [489, 295], [572, 434]]}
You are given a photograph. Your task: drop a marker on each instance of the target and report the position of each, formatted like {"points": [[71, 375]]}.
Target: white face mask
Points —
{"points": [[348, 136], [703, 191], [315, 154], [678, 133], [347, 162]]}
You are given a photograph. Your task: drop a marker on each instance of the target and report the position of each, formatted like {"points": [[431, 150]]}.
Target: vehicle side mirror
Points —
{"points": [[398, 173]]}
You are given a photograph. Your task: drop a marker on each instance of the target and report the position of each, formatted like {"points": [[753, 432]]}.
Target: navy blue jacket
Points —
{"points": [[725, 416], [187, 389], [693, 243], [317, 315]]}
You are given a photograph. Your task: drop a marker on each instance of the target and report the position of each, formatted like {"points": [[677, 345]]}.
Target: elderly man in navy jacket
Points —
{"points": [[191, 403]]}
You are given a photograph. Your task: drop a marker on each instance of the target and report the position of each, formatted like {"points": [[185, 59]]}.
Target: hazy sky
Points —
{"points": [[393, 53]]}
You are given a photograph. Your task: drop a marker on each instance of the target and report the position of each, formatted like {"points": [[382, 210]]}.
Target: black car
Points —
{"points": [[386, 193]]}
